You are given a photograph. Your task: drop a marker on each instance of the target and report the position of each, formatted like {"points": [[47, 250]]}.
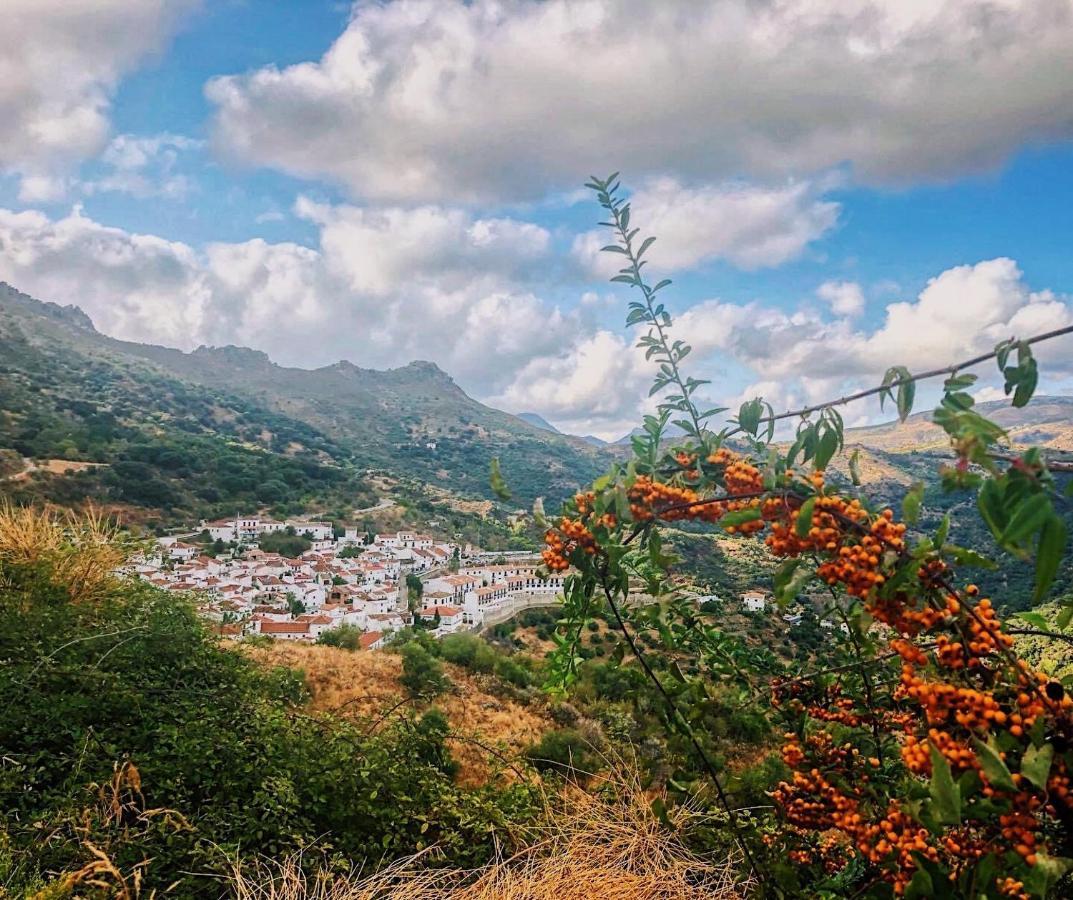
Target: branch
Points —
{"points": [[931, 373], [677, 717], [1039, 632]]}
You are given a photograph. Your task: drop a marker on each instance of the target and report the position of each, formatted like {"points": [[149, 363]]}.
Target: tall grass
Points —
{"points": [[77, 553], [594, 845]]}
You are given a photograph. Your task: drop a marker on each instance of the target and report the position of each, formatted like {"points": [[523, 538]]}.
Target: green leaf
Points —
{"points": [[994, 768], [804, 518], [1064, 617], [789, 579], [739, 517], [912, 502], [1052, 546], [942, 531], [749, 416], [826, 448], [920, 886], [1034, 619], [906, 394], [965, 557], [1028, 518], [1036, 765], [538, 513], [945, 796]]}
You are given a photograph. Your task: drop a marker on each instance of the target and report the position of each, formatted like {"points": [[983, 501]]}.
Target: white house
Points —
{"points": [[450, 617], [316, 531], [371, 640], [754, 601], [286, 631], [183, 552]]}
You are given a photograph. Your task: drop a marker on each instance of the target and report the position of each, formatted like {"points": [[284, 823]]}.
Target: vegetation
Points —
{"points": [[927, 758], [286, 543], [604, 844], [128, 733], [199, 434]]}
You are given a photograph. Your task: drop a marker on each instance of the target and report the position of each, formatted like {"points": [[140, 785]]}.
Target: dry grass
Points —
{"points": [[79, 552], [365, 685], [605, 846]]}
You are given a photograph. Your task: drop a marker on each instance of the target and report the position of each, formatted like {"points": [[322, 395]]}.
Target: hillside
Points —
{"points": [[365, 686], [201, 432]]}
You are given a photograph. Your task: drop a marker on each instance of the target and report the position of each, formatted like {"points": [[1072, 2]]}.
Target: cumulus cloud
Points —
{"points": [[381, 288], [591, 385], [59, 63], [797, 357], [385, 286], [960, 313], [474, 100], [844, 297], [750, 226], [144, 166]]}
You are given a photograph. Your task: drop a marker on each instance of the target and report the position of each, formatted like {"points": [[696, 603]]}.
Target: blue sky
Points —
{"points": [[836, 187]]}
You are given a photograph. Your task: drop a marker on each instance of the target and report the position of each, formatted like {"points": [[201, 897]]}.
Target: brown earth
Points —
{"points": [[489, 731]]}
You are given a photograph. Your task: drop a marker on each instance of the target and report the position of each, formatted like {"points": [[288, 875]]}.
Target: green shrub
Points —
{"points": [[135, 679], [564, 752], [468, 650], [348, 637], [422, 674]]}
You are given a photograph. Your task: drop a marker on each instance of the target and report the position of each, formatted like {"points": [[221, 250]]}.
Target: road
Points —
{"points": [[385, 503]]}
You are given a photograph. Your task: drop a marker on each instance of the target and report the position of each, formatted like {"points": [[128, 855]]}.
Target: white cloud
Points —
{"points": [[844, 297], [751, 226], [471, 100], [382, 288], [60, 60], [143, 166], [791, 358], [591, 385]]}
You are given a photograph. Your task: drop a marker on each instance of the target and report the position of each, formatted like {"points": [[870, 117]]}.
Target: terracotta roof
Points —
{"points": [[369, 638], [284, 627], [442, 610]]}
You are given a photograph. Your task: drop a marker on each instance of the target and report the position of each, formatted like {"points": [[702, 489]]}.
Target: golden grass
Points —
{"points": [[79, 552], [365, 685], [607, 845]]}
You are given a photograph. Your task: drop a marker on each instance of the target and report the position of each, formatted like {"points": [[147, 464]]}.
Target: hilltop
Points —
{"points": [[197, 433]]}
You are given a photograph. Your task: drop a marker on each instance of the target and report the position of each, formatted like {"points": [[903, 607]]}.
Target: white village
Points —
{"points": [[378, 584]]}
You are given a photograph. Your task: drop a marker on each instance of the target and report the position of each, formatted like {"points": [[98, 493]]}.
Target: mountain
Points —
{"points": [[203, 431], [594, 440], [538, 421]]}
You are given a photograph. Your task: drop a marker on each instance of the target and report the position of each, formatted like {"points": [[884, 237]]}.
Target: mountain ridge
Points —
{"points": [[62, 376]]}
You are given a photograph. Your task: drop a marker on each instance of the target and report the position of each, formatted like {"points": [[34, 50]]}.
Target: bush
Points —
{"points": [[348, 637], [422, 673], [564, 752], [129, 698], [285, 544], [470, 651]]}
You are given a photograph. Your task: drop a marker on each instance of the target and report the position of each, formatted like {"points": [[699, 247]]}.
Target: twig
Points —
{"points": [[677, 717], [869, 392]]}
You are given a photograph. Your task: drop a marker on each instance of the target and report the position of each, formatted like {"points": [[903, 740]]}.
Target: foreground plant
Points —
{"points": [[936, 763]]}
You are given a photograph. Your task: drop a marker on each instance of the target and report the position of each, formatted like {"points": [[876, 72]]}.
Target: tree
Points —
{"points": [[348, 637], [415, 590], [285, 543], [295, 606]]}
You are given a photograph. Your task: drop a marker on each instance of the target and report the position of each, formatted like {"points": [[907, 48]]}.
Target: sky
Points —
{"points": [[836, 186]]}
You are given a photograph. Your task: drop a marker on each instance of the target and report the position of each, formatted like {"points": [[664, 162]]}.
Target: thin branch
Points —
{"points": [[931, 373], [1039, 632], [677, 717]]}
